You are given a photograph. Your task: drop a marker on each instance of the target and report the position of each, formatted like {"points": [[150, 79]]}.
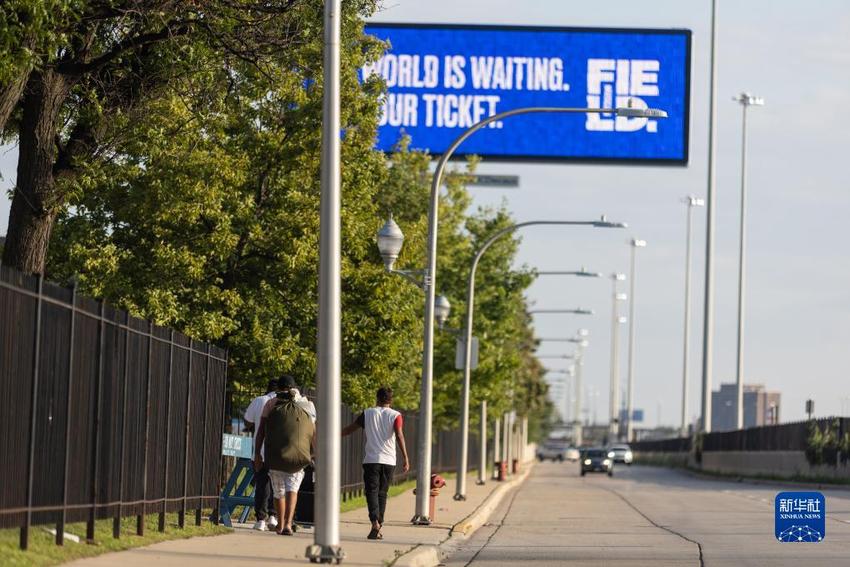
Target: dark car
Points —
{"points": [[596, 460]]}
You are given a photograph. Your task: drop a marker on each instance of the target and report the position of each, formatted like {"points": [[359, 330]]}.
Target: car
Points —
{"points": [[596, 460], [621, 454], [552, 450], [572, 454]]}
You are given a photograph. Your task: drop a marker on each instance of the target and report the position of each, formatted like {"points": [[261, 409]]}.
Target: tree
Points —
{"points": [[71, 70], [205, 218]]}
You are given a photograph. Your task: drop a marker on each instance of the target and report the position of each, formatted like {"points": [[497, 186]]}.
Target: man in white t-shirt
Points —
{"points": [[264, 507], [383, 427]]}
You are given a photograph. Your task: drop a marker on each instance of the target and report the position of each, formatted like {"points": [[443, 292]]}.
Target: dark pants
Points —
{"points": [[263, 499], [376, 478]]}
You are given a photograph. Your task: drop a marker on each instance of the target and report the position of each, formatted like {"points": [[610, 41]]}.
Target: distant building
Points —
{"points": [[760, 407]]}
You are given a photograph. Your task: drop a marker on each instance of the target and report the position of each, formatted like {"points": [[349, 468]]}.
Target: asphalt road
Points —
{"points": [[647, 516]]}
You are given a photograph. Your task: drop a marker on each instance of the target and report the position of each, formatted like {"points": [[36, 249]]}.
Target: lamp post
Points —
{"points": [[325, 548], [710, 200], [579, 374], [746, 100], [691, 202], [430, 276], [635, 244], [463, 449], [566, 390], [614, 394]]}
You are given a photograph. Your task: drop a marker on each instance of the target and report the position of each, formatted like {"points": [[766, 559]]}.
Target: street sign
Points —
{"points": [[459, 352], [237, 446], [501, 181], [637, 415], [441, 79]]}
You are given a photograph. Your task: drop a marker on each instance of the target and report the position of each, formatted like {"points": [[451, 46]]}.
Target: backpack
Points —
{"points": [[289, 432]]}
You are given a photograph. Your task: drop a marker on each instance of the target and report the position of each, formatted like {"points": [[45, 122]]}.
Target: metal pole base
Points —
{"points": [[460, 497], [324, 554], [420, 520]]}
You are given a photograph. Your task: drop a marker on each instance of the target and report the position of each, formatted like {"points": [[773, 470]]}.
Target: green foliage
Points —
{"points": [[823, 445], [30, 30], [207, 220]]}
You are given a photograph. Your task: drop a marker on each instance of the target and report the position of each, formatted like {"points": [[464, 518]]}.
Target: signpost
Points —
{"points": [[441, 79]]}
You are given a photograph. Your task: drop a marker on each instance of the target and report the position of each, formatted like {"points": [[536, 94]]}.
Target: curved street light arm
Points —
{"points": [[423, 470]]}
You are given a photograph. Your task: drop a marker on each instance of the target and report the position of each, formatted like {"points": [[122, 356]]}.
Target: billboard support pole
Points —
{"points": [[423, 471]]}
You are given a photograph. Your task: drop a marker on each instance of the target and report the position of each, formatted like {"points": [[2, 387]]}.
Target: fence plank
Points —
{"points": [[60, 525], [25, 530]]}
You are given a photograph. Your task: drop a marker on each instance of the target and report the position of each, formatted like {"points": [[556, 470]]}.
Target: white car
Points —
{"points": [[572, 454], [621, 454], [552, 450]]}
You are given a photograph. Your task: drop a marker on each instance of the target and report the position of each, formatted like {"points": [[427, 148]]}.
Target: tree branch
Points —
{"points": [[128, 44]]}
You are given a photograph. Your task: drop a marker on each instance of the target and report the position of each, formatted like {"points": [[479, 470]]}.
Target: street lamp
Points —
{"points": [[613, 397], [710, 203], [582, 273], [390, 241], [746, 100], [566, 374], [635, 244], [423, 471], [325, 547], [442, 308], [577, 311], [579, 373], [463, 449], [691, 202], [563, 340]]}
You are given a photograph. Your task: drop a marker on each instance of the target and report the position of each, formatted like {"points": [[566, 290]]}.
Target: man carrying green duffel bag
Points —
{"points": [[288, 430]]}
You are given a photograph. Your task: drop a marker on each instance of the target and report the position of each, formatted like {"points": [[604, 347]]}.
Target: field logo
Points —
{"points": [[800, 517]]}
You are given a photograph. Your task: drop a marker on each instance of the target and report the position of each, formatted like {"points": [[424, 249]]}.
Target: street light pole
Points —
{"points": [[710, 201], [423, 469], [635, 244], [746, 100], [463, 449], [613, 397], [691, 202], [578, 434], [482, 453], [325, 548]]}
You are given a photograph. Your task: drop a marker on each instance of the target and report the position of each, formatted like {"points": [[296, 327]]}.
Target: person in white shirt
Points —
{"points": [[264, 506], [285, 485], [384, 427]]}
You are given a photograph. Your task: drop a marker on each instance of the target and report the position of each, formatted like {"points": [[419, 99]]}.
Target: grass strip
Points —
{"points": [[43, 550]]}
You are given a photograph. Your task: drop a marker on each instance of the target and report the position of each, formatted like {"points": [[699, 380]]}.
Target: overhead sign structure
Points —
{"points": [[442, 79]]}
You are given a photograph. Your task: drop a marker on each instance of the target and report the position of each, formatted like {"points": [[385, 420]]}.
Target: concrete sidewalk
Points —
{"points": [[245, 547]]}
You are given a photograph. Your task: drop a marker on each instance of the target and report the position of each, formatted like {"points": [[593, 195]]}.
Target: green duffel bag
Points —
{"points": [[289, 432]]}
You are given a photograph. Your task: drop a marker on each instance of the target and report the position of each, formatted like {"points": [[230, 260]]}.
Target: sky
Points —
{"points": [[795, 55]]}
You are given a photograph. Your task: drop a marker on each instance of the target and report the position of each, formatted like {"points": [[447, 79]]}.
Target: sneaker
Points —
{"points": [[260, 526], [272, 522]]}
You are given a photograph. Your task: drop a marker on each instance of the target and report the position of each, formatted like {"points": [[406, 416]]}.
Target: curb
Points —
{"points": [[433, 555]]}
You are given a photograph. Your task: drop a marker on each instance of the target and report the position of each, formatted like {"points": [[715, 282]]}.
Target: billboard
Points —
{"points": [[441, 79]]}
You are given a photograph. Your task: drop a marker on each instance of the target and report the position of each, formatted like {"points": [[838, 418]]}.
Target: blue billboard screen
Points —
{"points": [[441, 79]]}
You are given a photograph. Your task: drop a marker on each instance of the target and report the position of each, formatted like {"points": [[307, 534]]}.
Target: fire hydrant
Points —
{"points": [[437, 482], [501, 470]]}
